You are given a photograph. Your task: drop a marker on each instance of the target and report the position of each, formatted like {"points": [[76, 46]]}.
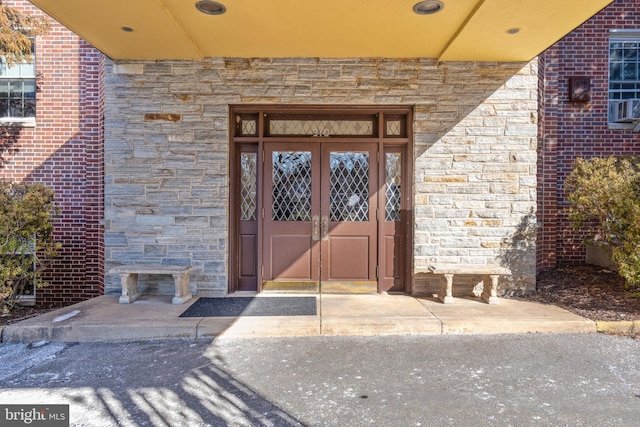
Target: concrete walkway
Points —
{"points": [[154, 317]]}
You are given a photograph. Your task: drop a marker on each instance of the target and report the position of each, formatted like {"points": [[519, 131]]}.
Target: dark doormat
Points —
{"points": [[252, 306]]}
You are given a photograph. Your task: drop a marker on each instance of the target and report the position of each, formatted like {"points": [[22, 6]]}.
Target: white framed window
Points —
{"points": [[17, 91], [624, 76]]}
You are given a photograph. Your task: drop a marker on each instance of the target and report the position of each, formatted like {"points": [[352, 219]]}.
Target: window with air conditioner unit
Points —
{"points": [[624, 76], [626, 111]]}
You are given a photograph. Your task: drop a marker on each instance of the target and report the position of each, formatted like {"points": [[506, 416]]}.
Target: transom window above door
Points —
{"points": [[321, 126]]}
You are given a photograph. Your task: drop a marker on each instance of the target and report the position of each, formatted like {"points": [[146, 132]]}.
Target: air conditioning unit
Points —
{"points": [[626, 111]]}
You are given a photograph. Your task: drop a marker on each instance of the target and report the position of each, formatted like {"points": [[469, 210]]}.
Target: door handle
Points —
{"points": [[325, 227], [315, 228]]}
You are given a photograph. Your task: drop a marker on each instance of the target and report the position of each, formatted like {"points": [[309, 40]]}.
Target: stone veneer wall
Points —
{"points": [[167, 145]]}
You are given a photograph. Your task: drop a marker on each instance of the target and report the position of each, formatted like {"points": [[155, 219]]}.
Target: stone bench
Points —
{"points": [[129, 279], [490, 273]]}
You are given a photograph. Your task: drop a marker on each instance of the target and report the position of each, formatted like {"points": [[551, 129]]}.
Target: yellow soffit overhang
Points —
{"points": [[464, 30]]}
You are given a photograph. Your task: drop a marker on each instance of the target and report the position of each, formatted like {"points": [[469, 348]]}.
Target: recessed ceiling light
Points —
{"points": [[428, 7], [513, 30], [127, 29], [211, 7]]}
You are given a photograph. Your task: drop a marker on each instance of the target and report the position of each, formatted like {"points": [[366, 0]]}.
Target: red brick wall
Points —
{"points": [[65, 151], [571, 129]]}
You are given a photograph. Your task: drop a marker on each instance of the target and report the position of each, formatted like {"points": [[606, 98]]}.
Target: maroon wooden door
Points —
{"points": [[348, 217], [290, 243], [320, 225]]}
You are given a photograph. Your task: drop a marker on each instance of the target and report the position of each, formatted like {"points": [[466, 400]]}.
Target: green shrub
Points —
{"points": [[26, 238], [605, 205]]}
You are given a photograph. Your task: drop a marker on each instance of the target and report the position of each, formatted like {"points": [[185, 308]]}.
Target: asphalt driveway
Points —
{"points": [[470, 380]]}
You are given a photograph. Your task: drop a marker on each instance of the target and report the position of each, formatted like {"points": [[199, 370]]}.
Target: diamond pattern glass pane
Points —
{"points": [[349, 180], [248, 199], [321, 127], [291, 186], [394, 127], [249, 127], [393, 186]]}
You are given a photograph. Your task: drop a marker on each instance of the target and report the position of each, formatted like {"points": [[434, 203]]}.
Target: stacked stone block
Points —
{"points": [[167, 155]]}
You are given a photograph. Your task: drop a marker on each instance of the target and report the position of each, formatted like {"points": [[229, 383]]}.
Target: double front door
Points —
{"points": [[320, 217], [320, 199]]}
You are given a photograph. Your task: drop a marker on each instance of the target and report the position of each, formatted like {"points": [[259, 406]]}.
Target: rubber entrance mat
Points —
{"points": [[252, 306]]}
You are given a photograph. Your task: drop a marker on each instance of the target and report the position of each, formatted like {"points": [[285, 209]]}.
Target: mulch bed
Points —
{"points": [[589, 291], [22, 313]]}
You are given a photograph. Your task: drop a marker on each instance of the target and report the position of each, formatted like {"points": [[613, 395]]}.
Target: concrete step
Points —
{"points": [[155, 318]]}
